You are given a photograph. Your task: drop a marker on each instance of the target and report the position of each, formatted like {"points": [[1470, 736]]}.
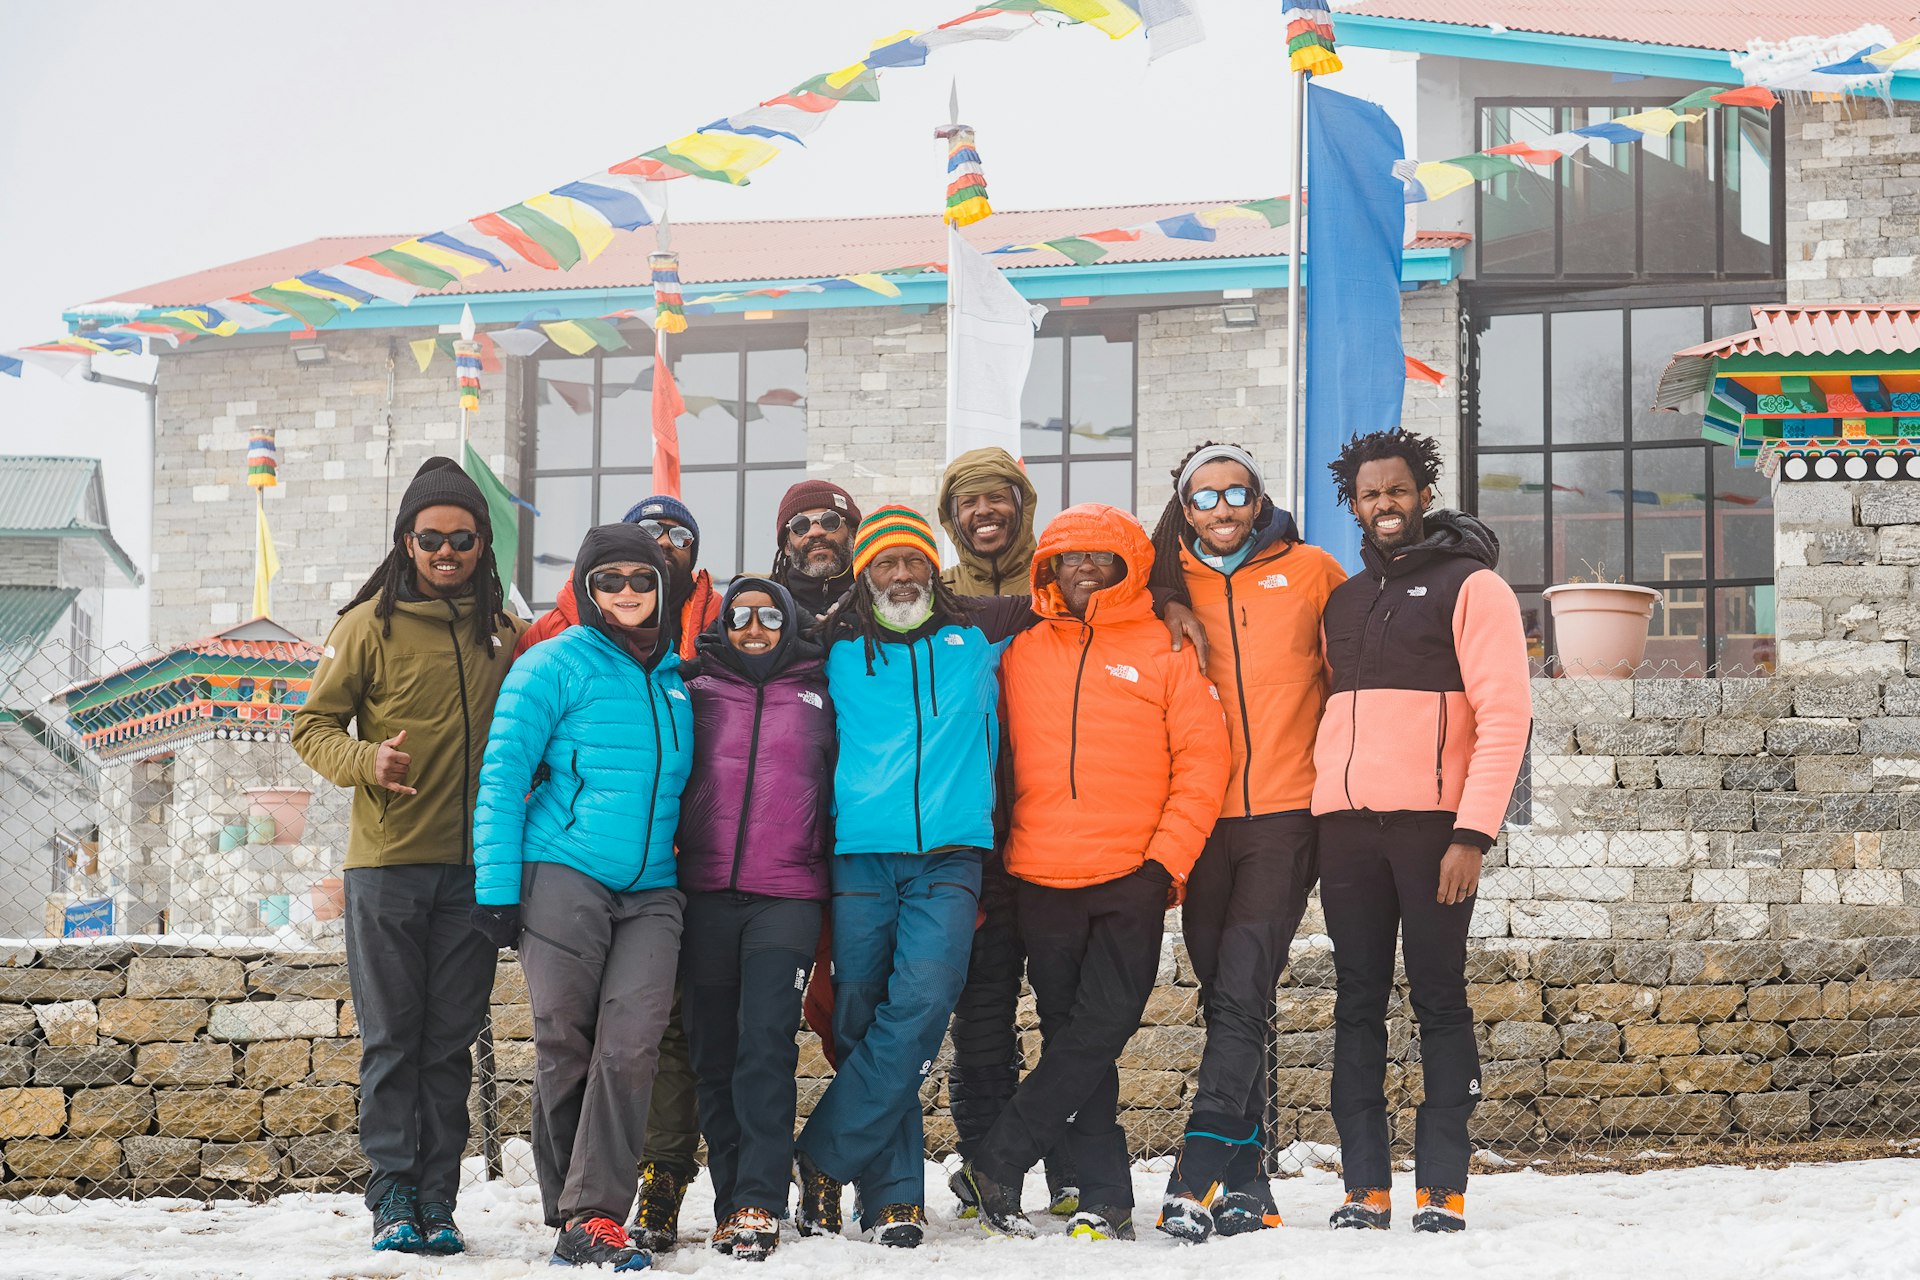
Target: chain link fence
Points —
{"points": [[1702, 931]]}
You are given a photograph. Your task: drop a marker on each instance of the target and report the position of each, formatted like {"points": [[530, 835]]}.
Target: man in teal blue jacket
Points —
{"points": [[913, 671]]}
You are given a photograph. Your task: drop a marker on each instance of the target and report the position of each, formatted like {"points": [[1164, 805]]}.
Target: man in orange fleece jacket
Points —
{"points": [[1118, 757], [1415, 763]]}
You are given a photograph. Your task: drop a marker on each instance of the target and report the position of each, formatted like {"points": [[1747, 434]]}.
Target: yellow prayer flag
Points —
{"points": [[1895, 52], [314, 291], [446, 259], [1442, 179], [570, 337], [266, 562], [1103, 15], [878, 283], [846, 75], [582, 221], [195, 320], [729, 153], [1226, 213], [423, 349], [1659, 122]]}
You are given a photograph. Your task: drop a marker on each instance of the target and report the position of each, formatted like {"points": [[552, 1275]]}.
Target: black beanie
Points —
{"points": [[440, 483]]}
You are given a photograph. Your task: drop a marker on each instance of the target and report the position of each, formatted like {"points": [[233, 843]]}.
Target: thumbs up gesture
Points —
{"points": [[390, 765]]}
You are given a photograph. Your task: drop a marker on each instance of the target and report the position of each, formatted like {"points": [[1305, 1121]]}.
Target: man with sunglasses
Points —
{"points": [[814, 532], [673, 1123], [1118, 759], [399, 711], [1260, 590]]}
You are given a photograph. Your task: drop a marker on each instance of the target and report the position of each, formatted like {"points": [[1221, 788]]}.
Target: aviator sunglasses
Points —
{"points": [[771, 617], [678, 536]]}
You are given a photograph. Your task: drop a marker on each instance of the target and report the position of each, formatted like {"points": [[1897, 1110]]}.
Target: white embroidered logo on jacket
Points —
{"points": [[812, 699], [1416, 591], [1124, 672], [1273, 580]]}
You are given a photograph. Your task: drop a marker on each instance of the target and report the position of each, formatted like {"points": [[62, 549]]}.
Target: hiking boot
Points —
{"points": [[1366, 1208], [1238, 1212], [1101, 1224], [1063, 1186], [999, 1203], [899, 1226], [819, 1198], [1185, 1218], [656, 1219], [598, 1242], [437, 1231], [1439, 1209], [396, 1221], [753, 1234], [969, 1208]]}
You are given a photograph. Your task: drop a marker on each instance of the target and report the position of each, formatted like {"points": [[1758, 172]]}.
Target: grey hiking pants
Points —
{"points": [[600, 968]]}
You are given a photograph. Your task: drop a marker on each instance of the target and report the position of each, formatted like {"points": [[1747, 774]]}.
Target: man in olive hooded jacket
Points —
{"points": [[399, 711]]}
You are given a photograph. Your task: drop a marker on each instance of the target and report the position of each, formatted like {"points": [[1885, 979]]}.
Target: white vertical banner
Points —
{"points": [[989, 348]]}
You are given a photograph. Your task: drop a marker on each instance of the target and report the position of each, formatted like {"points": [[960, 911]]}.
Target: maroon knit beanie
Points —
{"points": [[814, 495]]}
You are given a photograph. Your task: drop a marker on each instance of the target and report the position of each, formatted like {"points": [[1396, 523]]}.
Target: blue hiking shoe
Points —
{"points": [[396, 1221]]}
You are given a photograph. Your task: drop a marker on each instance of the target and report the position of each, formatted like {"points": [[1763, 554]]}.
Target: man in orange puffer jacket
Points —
{"points": [[1118, 758]]}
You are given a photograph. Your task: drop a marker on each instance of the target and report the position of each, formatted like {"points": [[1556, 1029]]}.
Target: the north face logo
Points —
{"points": [[1416, 591], [675, 693], [812, 699], [955, 640], [799, 979], [1215, 691], [1124, 672], [652, 509], [1273, 580]]}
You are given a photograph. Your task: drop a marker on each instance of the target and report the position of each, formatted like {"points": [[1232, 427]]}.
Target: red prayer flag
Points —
{"points": [[667, 408], [1424, 372], [1528, 152], [1753, 95]]}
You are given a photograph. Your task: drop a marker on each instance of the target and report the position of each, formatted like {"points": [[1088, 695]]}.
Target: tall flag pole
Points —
{"points": [[669, 316], [1310, 52], [466, 367], [263, 472]]}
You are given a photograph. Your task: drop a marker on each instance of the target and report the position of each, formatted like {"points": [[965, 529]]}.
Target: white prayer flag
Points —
{"points": [[989, 347]]}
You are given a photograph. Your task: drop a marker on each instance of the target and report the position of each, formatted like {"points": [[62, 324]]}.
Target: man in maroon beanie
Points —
{"points": [[815, 534]]}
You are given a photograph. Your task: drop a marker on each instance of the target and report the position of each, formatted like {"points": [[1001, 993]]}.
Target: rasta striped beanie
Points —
{"points": [[894, 526]]}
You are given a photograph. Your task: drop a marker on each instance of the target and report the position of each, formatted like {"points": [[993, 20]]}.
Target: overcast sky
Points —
{"points": [[149, 140]]}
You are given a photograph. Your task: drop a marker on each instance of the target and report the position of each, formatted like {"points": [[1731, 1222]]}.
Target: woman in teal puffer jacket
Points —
{"points": [[589, 751]]}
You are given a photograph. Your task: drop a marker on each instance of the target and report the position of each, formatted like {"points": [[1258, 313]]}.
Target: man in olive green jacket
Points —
{"points": [[399, 711]]}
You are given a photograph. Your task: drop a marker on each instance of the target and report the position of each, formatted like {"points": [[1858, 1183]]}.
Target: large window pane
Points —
{"points": [[1744, 623], [566, 513], [563, 414], [1658, 332], [1043, 402], [1045, 477], [1513, 503], [709, 382], [626, 411], [1742, 518], [1669, 510], [1109, 480], [1586, 376], [1516, 209], [714, 499], [1510, 381], [1747, 151], [1597, 186], [1677, 200], [1589, 516], [776, 405], [762, 503], [1102, 392], [621, 491]]}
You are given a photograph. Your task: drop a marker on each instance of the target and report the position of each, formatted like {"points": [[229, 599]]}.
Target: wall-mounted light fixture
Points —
{"points": [[311, 354], [1240, 315]]}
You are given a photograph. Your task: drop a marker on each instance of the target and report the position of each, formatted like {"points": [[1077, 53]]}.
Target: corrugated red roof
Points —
{"points": [[1690, 24], [714, 253], [254, 650], [1809, 331]]}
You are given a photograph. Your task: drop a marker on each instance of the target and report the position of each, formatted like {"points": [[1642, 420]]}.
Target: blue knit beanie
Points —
{"points": [[661, 504]]}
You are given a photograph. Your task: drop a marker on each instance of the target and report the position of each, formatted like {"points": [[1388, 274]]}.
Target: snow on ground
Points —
{"points": [[1808, 1222]]}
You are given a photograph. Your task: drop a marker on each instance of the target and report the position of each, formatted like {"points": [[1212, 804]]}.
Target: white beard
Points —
{"points": [[903, 617]]}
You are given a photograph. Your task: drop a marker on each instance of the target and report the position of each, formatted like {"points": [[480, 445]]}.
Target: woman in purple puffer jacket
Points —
{"points": [[755, 830]]}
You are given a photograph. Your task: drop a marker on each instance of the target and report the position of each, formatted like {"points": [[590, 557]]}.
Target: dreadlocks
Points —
{"points": [[1171, 532], [1420, 453], [384, 588], [852, 615]]}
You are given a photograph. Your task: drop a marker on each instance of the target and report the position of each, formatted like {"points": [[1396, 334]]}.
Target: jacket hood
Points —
{"points": [[1449, 533], [977, 471], [1094, 526], [793, 647], [605, 544]]}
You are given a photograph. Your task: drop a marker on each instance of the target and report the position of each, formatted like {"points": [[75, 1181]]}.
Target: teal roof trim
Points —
{"points": [[27, 617]]}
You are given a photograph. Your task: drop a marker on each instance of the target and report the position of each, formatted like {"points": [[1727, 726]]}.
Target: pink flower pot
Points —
{"points": [[329, 898], [286, 807], [1600, 628]]}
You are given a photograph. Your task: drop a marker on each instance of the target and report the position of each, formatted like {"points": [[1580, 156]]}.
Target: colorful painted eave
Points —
{"points": [[1542, 49], [1040, 284]]}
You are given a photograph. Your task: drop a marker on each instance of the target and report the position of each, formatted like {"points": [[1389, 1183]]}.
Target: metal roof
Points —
{"points": [[27, 618], [255, 640], [56, 497], [1690, 24], [714, 253], [1811, 330]]}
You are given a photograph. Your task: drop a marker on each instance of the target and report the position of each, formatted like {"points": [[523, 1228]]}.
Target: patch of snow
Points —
{"points": [[1792, 65]]}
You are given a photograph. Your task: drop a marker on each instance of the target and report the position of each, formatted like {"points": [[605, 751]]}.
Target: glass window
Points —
{"points": [[1512, 380], [1513, 502], [1669, 510], [1043, 400], [1082, 374], [1590, 514], [1703, 200], [1585, 372], [742, 443], [1656, 333], [1102, 393]]}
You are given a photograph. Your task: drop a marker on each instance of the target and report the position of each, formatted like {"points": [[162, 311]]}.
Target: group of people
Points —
{"points": [[874, 791]]}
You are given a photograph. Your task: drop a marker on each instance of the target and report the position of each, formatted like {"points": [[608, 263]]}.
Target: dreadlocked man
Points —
{"points": [[1425, 730], [414, 664]]}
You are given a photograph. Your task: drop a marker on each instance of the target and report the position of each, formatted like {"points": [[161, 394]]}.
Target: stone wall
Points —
{"points": [[148, 1070], [1853, 201]]}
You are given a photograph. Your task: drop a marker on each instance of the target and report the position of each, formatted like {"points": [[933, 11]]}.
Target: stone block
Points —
{"points": [[1846, 583], [1893, 998], [1841, 658], [1829, 1036], [1893, 957], [1300, 1049], [1654, 884], [1519, 1040], [1601, 1079], [1660, 1040], [1504, 1002], [1738, 962], [513, 1022], [1856, 813], [32, 1113], [1511, 1079], [1688, 773], [509, 984], [330, 1109], [1631, 738], [512, 1060], [1571, 701], [1833, 773], [1590, 1042], [1788, 1002], [240, 1161], [16, 1066], [1788, 813], [1893, 1033], [1656, 849], [1570, 1119], [338, 1061], [1614, 1002], [188, 1064], [1698, 1113], [1826, 737], [270, 1064], [113, 1111], [303, 982], [1733, 737], [1563, 964], [1876, 1068], [1663, 811], [1700, 1003], [77, 1068], [1780, 1114], [1720, 886], [1758, 773], [1675, 699], [1303, 1087], [1171, 1049], [1758, 697], [206, 977], [162, 1159], [1166, 1089], [39, 985], [1723, 1073], [17, 1019], [1643, 963], [1559, 920], [87, 1159], [224, 1115], [330, 1155], [1816, 851], [69, 1023], [145, 1021], [273, 1020], [1888, 502], [1533, 849]]}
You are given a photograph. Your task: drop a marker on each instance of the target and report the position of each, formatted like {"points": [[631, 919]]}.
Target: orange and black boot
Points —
{"points": [[1365, 1208], [1439, 1209], [656, 1219], [1247, 1203], [1199, 1175]]}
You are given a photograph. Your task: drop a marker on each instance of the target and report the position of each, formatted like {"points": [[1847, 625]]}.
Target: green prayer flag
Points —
{"points": [[550, 235], [1081, 250], [312, 311], [1277, 211], [500, 514], [1483, 166], [415, 271], [604, 333]]}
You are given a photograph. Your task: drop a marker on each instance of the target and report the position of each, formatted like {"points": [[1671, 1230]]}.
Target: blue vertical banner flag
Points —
{"points": [[1356, 368]]}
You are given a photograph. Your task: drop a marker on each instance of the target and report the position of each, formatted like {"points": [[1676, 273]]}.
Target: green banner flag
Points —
{"points": [[501, 514]]}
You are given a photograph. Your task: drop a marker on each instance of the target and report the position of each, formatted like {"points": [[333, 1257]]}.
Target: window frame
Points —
{"points": [[1066, 326]]}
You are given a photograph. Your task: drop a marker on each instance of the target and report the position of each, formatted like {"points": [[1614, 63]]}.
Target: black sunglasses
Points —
{"points": [[678, 535], [430, 541], [1207, 499], [642, 581], [829, 521], [770, 616]]}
